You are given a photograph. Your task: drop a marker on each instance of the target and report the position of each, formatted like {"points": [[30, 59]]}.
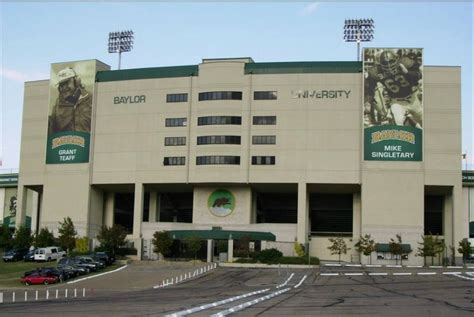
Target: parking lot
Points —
{"points": [[265, 292]]}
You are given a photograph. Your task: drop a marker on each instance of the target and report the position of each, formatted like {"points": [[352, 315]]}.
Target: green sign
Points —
{"points": [[68, 147], [8, 180], [392, 143], [393, 104], [221, 203], [468, 177]]}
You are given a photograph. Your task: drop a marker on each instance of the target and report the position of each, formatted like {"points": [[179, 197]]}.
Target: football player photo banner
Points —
{"points": [[393, 104], [70, 110]]}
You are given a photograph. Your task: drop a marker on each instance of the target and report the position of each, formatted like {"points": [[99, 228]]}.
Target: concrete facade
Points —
{"points": [[318, 148]]}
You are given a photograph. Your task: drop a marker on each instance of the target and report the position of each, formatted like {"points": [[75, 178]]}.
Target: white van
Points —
{"points": [[49, 254]]}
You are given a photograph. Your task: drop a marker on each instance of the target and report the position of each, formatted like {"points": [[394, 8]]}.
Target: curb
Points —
{"points": [[97, 275]]}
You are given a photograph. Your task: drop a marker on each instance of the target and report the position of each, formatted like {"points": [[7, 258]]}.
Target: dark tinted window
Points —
{"points": [[262, 120], [174, 160], [264, 95], [175, 141], [263, 160], [263, 139], [177, 98], [216, 120], [176, 122], [331, 214], [220, 95], [434, 206], [218, 139], [217, 160]]}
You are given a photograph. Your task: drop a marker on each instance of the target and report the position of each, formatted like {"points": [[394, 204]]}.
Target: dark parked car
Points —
{"points": [[90, 260], [89, 267], [14, 255], [39, 278], [30, 256], [106, 257]]}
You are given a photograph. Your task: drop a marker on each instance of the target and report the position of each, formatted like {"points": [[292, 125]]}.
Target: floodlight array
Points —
{"points": [[359, 30], [121, 41]]}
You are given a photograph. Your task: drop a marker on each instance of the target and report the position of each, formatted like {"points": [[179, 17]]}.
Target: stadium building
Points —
{"points": [[232, 148]]}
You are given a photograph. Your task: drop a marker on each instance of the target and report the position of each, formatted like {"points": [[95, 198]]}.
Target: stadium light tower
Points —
{"points": [[359, 30], [121, 41]]}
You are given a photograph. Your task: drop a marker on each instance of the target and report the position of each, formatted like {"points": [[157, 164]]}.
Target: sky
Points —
{"points": [[35, 34]]}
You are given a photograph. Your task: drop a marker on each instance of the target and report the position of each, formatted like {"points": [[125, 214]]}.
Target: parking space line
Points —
{"points": [[426, 273], [394, 266], [248, 304], [354, 265], [415, 266], [435, 267], [463, 277], [215, 304], [451, 273], [373, 265], [402, 274], [454, 267], [380, 274], [329, 274], [332, 264], [286, 282], [301, 282], [353, 274]]}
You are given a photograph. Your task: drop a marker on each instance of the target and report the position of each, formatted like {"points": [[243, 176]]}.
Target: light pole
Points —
{"points": [[359, 30], [464, 157], [121, 41]]}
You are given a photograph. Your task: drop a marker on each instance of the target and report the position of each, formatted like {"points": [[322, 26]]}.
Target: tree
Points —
{"points": [[299, 249], [67, 234], [22, 238], [44, 238], [338, 247], [5, 237], [366, 245], [244, 243], [194, 245], [464, 249], [112, 238], [396, 249], [427, 247], [440, 247], [162, 242]]}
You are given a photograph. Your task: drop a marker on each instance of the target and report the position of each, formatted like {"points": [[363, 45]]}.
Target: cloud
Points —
{"points": [[19, 76], [310, 8]]}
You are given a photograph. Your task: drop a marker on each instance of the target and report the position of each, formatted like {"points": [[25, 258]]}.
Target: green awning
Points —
{"points": [[222, 234], [385, 247]]}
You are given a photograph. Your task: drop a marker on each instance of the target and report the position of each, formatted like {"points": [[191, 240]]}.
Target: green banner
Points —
{"points": [[393, 143], [468, 177], [68, 147], [393, 104]]}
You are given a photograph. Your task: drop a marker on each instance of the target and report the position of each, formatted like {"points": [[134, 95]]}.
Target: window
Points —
{"points": [[217, 160], [218, 139], [262, 120], [220, 95], [215, 120], [263, 139], [175, 141], [176, 97], [176, 122], [331, 214], [434, 205], [264, 95], [174, 160], [263, 160]]}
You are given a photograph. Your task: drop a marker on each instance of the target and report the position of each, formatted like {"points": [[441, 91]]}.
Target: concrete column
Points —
{"points": [[254, 208], [138, 210], [152, 209], [34, 211], [356, 226], [210, 250], [302, 225], [21, 199], [460, 220], [230, 250], [109, 209]]}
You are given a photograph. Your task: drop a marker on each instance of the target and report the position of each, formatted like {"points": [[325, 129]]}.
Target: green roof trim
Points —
{"points": [[221, 234], [385, 247], [303, 67], [147, 73]]}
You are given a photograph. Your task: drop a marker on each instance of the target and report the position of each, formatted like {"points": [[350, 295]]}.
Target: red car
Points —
{"points": [[39, 278]]}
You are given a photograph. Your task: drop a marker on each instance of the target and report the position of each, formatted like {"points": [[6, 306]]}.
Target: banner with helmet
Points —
{"points": [[393, 104], [71, 93]]}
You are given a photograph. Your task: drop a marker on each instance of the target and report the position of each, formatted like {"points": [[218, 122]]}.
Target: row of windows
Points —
{"points": [[222, 95], [216, 120], [176, 122], [218, 139], [264, 139], [175, 141], [218, 160], [174, 160], [177, 97], [263, 160]]}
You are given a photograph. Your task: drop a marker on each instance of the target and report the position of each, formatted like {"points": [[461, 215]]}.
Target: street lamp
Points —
{"points": [[121, 41], [358, 30]]}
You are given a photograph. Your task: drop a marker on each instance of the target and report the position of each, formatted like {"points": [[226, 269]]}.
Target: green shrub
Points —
{"points": [[245, 260], [298, 260], [269, 256], [126, 251]]}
